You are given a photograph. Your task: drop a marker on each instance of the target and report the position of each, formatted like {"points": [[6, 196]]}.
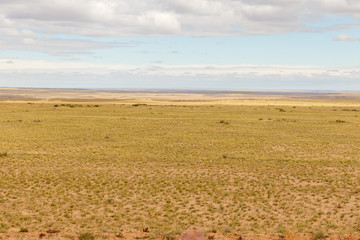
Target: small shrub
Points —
{"points": [[224, 122], [318, 235], [3, 154], [339, 121], [119, 235], [357, 227], [22, 230], [52, 231], [168, 237], [281, 229], [281, 109], [3, 227], [352, 110], [86, 236]]}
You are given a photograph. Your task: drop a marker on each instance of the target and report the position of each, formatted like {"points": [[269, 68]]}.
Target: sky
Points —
{"points": [[180, 44]]}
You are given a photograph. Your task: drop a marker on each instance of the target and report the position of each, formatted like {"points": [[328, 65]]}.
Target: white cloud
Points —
{"points": [[4, 22], [13, 32], [15, 39], [161, 22], [76, 74], [119, 18], [158, 69], [342, 7], [31, 25], [73, 73], [345, 38], [29, 41]]}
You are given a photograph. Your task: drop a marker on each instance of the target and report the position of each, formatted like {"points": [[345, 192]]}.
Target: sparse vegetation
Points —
{"points": [[224, 122], [24, 230], [318, 235], [119, 235], [340, 121], [172, 167], [86, 236], [3, 228], [3, 154], [75, 105]]}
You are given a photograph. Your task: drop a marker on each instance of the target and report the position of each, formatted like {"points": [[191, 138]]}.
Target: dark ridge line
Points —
{"points": [[170, 90]]}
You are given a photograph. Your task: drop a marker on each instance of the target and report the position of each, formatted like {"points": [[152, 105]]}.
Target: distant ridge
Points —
{"points": [[173, 94]]}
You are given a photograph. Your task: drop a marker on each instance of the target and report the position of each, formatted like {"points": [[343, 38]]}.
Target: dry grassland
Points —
{"points": [[94, 167]]}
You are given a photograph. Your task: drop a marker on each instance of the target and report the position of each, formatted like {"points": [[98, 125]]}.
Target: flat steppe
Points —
{"points": [[250, 166]]}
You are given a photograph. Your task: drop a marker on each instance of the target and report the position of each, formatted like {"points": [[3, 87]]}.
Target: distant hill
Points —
{"points": [[172, 94]]}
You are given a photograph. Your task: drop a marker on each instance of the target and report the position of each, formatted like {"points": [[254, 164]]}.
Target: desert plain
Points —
{"points": [[239, 164]]}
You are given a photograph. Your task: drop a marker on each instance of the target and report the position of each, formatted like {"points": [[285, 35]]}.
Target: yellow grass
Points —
{"points": [[242, 166]]}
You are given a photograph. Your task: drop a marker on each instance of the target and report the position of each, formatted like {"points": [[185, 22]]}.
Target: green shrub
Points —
{"points": [[318, 235], [3, 154], [357, 227], [23, 230], [281, 229], [339, 121], [3, 227], [86, 236]]}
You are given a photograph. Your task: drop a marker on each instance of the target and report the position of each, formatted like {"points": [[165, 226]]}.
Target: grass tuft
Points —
{"points": [[86, 236]]}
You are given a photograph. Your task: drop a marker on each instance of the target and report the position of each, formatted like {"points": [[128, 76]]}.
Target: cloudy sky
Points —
{"points": [[239, 44]]}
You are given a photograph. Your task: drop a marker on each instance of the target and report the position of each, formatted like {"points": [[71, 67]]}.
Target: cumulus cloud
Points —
{"points": [[119, 18], [34, 25], [161, 22], [340, 7]]}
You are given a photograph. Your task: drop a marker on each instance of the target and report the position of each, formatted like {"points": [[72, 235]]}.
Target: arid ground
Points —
{"points": [[256, 166]]}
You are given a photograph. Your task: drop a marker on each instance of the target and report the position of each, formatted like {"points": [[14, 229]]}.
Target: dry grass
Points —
{"points": [[187, 235], [169, 167]]}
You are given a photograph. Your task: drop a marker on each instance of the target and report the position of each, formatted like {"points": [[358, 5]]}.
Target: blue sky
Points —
{"points": [[231, 44]]}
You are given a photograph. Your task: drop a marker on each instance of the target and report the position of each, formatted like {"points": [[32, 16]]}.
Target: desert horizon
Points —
{"points": [[173, 94], [180, 120]]}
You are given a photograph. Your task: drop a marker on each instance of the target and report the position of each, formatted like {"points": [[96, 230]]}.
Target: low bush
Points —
{"points": [[86, 236], [3, 154], [22, 230]]}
